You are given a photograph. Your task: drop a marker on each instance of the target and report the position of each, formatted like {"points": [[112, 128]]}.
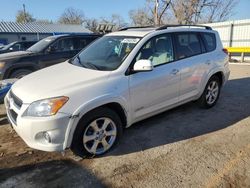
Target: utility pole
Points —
{"points": [[24, 12], [156, 12]]}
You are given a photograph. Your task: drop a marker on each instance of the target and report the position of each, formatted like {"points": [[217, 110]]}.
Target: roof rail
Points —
{"points": [[167, 26], [126, 28]]}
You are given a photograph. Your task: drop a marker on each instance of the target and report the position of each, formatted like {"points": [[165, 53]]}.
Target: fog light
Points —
{"points": [[47, 137]]}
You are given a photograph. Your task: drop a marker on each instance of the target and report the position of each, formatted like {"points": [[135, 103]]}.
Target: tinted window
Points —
{"points": [[63, 45], [28, 44], [187, 44], [81, 43], [209, 40], [159, 50]]}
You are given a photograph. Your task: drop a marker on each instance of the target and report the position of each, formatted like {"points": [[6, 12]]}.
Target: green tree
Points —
{"points": [[24, 17]]}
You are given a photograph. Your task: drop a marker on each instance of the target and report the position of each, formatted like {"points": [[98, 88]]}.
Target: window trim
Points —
{"points": [[203, 40], [189, 32], [173, 35], [130, 71]]}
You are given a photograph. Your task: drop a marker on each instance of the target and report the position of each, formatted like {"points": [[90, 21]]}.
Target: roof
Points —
{"points": [[35, 27], [139, 32], [143, 31]]}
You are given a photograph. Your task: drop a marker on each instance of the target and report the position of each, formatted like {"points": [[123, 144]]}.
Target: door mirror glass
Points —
{"points": [[143, 65]]}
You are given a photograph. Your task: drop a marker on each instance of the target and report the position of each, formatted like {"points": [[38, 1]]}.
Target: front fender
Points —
{"points": [[88, 106]]}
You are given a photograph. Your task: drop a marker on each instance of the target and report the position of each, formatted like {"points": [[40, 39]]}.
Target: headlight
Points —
{"points": [[2, 64], [46, 107]]}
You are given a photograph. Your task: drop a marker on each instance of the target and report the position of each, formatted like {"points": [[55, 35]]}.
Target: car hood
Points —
{"points": [[57, 80], [12, 55]]}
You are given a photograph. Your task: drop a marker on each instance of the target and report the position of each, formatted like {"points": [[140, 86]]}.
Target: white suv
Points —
{"points": [[121, 78]]}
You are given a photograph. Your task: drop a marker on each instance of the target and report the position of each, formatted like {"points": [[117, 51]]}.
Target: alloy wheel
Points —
{"points": [[212, 92], [99, 135]]}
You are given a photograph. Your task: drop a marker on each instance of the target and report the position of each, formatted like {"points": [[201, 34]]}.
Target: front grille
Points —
{"points": [[18, 102], [13, 115]]}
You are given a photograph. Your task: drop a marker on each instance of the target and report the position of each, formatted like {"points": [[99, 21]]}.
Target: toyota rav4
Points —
{"points": [[122, 78]]}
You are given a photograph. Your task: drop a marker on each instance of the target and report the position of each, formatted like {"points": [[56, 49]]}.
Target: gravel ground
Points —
{"points": [[183, 147]]}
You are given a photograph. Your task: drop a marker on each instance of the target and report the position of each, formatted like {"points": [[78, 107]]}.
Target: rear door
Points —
{"points": [[189, 53]]}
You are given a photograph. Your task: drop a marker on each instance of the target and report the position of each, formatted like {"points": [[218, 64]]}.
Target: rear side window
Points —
{"points": [[187, 45], [209, 40]]}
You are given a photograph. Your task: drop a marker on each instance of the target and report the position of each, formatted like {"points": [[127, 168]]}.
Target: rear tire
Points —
{"points": [[20, 73], [96, 133], [211, 93]]}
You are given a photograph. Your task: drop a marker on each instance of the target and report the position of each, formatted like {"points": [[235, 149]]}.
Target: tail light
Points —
{"points": [[225, 51]]}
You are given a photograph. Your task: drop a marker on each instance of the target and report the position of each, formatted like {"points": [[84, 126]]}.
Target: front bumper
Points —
{"points": [[33, 129]]}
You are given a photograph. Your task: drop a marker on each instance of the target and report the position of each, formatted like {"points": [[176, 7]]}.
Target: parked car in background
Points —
{"points": [[120, 79], [5, 86], [17, 46], [46, 52]]}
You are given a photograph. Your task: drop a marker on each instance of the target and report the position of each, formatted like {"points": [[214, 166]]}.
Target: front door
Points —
{"points": [[155, 90]]}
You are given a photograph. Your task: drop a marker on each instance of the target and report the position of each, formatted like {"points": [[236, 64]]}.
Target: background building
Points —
{"points": [[12, 31], [233, 33]]}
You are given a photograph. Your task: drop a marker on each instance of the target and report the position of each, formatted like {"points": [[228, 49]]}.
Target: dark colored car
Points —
{"points": [[17, 46], [46, 52]]}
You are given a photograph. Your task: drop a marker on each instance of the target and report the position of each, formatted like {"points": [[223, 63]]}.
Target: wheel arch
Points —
{"points": [[14, 68], [216, 71], [116, 104]]}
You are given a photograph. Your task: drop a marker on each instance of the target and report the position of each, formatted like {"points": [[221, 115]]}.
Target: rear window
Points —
{"points": [[209, 40], [187, 44]]}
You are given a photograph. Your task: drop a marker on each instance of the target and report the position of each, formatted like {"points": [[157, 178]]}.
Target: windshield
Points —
{"points": [[42, 44], [107, 53]]}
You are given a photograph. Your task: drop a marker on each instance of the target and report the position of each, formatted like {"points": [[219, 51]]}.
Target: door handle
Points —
{"points": [[174, 71]]}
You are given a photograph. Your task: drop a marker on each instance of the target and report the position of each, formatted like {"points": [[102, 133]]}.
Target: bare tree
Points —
{"points": [[158, 12], [91, 24], [115, 20], [118, 21], [140, 17], [24, 17], [152, 14], [72, 16], [158, 9], [202, 11], [219, 10]]}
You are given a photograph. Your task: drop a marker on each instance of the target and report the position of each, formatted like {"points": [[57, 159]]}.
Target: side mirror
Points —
{"points": [[51, 49], [143, 65], [11, 49]]}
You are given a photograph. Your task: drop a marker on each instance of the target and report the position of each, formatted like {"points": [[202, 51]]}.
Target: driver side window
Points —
{"points": [[159, 50], [63, 45]]}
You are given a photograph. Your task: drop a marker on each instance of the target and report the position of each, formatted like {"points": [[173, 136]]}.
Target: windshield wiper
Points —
{"points": [[87, 64], [92, 65], [79, 61]]}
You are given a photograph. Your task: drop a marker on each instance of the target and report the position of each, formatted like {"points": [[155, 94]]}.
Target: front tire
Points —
{"points": [[96, 133], [211, 93]]}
